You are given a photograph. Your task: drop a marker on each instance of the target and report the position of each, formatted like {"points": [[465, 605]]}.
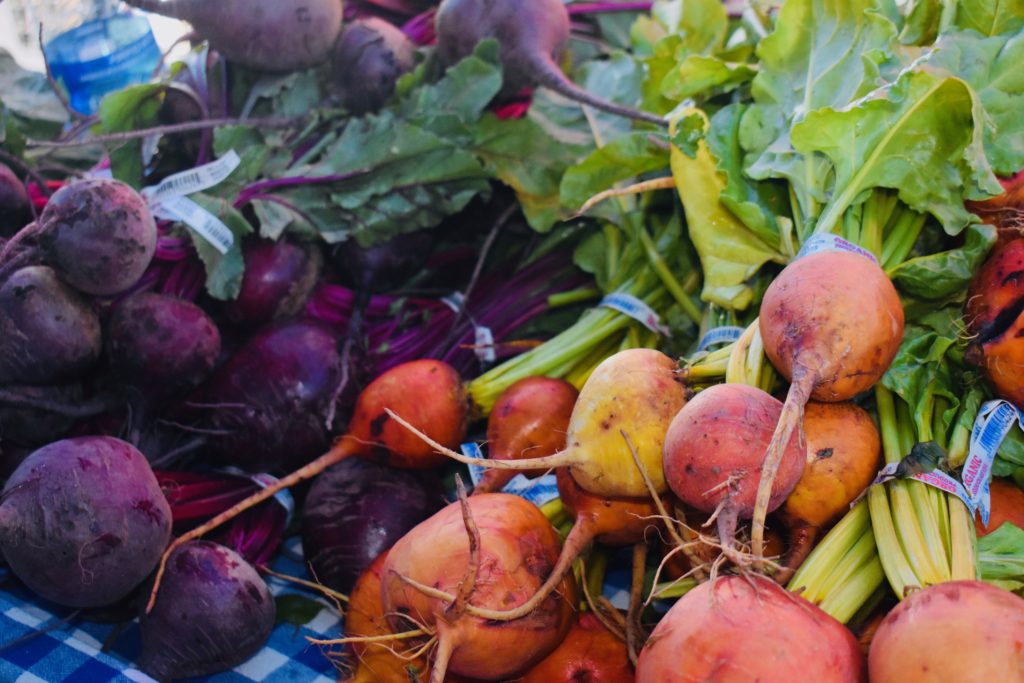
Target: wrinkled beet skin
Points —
{"points": [[15, 208], [589, 654], [285, 377], [161, 344], [279, 279], [368, 58], [30, 426], [355, 511], [212, 613], [524, 29], [83, 521], [99, 235], [49, 331]]}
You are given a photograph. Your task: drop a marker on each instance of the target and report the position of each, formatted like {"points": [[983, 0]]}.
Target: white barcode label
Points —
{"points": [[201, 221], [484, 345], [830, 242], [193, 180], [995, 420], [636, 309]]}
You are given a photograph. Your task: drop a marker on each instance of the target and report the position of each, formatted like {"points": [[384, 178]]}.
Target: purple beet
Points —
{"points": [[98, 234], [386, 264], [532, 34], [213, 612], [15, 207], [275, 400], [356, 510], [83, 521], [279, 279], [367, 60], [160, 344], [49, 331]]}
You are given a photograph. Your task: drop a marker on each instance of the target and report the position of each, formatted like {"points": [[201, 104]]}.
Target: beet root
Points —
{"points": [[49, 331], [279, 279], [515, 546], [831, 323], [355, 511], [367, 60], [532, 35], [748, 629], [589, 654], [277, 36], [98, 234], [83, 521], [529, 420], [953, 631], [213, 614], [713, 449], [160, 344]]}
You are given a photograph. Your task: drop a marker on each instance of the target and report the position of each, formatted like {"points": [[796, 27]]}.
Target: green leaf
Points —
{"points": [[520, 154], [991, 66], [223, 271], [730, 253], [622, 158], [617, 79], [923, 370], [699, 75], [132, 108], [822, 53], [755, 203], [922, 23], [28, 95], [296, 609], [920, 136], [1001, 557], [452, 105], [947, 273], [990, 17], [701, 24]]}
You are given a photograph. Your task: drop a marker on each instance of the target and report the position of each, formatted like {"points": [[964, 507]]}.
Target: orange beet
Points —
{"points": [[1007, 506], [589, 654]]}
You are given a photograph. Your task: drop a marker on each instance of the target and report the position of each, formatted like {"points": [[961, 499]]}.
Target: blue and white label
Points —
{"points": [[472, 450], [454, 301], [995, 420], [627, 304], [830, 242], [538, 491], [483, 338], [726, 334]]}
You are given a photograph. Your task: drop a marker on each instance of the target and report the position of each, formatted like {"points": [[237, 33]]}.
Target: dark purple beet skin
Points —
{"points": [[274, 396], [367, 60], [279, 279], [356, 510], [213, 612], [48, 331], [98, 234], [15, 209], [83, 521], [161, 344]]}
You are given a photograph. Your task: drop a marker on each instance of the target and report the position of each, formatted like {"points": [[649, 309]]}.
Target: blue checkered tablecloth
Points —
{"points": [[71, 652]]}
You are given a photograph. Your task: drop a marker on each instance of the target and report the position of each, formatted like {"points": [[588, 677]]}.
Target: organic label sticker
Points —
{"points": [[636, 309]]}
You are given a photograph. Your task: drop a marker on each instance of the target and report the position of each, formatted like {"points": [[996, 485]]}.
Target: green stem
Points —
{"points": [[673, 285], [573, 296]]}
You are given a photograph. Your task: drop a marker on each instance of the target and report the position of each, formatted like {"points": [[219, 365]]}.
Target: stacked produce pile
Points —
{"points": [[730, 297]]}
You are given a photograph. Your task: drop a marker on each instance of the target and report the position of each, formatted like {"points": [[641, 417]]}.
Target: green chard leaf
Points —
{"points": [[991, 66], [822, 53], [947, 273], [699, 75], [622, 158], [1001, 557], [132, 108], [990, 17], [702, 24], [223, 271], [920, 136], [923, 370]]}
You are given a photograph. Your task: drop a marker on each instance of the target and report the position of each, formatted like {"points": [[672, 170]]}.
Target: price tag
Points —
{"points": [[194, 179], [204, 223]]}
